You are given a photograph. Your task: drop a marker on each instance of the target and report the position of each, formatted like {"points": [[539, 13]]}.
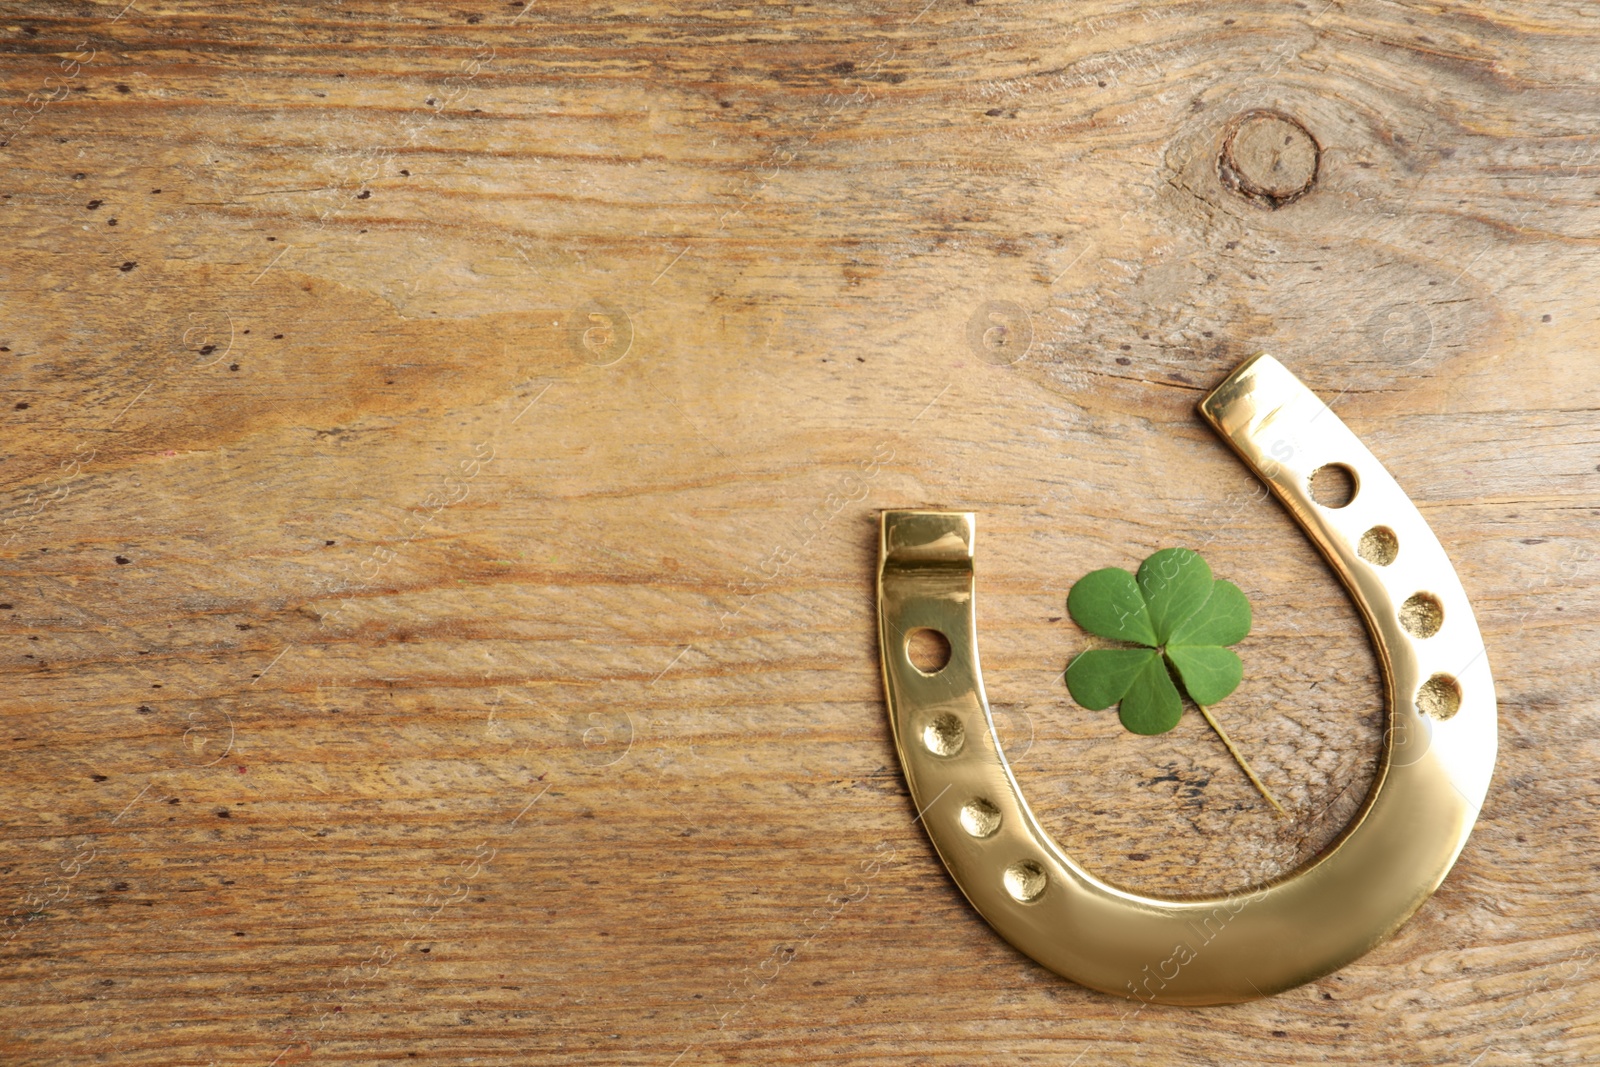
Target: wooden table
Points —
{"points": [[443, 446]]}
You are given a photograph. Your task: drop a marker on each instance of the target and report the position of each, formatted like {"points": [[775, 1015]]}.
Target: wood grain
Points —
{"points": [[441, 453]]}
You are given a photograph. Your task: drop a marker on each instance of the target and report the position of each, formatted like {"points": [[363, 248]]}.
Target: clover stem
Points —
{"points": [[1240, 760]]}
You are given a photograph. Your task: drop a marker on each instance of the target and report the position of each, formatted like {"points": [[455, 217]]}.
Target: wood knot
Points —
{"points": [[1268, 158]]}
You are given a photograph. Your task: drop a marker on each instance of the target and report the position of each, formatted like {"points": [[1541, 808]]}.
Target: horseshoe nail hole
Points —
{"points": [[1025, 881], [979, 817], [1422, 615], [928, 650], [1333, 485], [1439, 697], [944, 736], [1379, 546]]}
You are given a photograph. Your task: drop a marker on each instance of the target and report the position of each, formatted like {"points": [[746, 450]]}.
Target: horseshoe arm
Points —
{"points": [[1437, 758]]}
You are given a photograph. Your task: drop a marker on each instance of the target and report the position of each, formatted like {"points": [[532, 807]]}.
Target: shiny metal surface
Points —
{"points": [[1437, 759]]}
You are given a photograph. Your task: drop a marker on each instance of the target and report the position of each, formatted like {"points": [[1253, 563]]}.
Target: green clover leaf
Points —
{"points": [[1109, 603], [1182, 618], [1181, 615], [1175, 583], [1152, 704], [1209, 673], [1100, 677]]}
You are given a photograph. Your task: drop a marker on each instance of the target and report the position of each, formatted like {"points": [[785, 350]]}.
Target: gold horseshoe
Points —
{"points": [[1438, 754]]}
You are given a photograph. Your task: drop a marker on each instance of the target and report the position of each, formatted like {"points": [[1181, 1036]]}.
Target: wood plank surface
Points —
{"points": [[442, 446]]}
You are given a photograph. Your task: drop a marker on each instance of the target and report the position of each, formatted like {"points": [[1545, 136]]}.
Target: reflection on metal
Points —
{"points": [[1438, 753]]}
